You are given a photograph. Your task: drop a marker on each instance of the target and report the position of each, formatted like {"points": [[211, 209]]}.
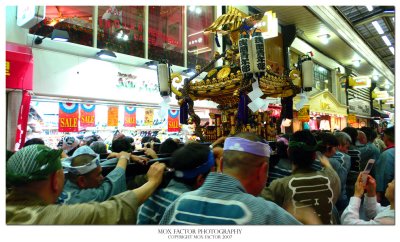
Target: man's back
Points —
{"points": [[384, 172], [307, 188], [223, 200], [341, 164], [369, 151]]}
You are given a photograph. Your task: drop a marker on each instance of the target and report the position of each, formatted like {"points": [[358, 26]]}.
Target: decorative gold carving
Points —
{"points": [[212, 72], [176, 77], [224, 72]]}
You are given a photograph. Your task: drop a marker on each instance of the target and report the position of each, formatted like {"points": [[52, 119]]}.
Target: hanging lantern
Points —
{"points": [[258, 49], [246, 58], [307, 69], [164, 82]]}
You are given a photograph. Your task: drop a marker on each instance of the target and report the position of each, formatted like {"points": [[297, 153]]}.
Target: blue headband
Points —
{"points": [[201, 169], [248, 146]]}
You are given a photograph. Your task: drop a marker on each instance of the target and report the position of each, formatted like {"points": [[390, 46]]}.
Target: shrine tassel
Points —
{"points": [[184, 113], [217, 41], [243, 109]]}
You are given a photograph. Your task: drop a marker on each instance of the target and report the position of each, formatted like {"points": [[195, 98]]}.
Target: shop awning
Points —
{"points": [[378, 113]]}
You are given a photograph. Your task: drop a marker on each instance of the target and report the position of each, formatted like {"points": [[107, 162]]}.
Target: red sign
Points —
{"points": [[112, 116], [68, 117], [130, 116], [173, 120], [275, 111], [87, 115], [19, 66]]}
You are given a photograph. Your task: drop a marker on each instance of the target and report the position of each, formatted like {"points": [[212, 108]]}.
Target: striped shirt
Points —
{"points": [[114, 183], [355, 168], [282, 169], [341, 164], [223, 200], [153, 209]]}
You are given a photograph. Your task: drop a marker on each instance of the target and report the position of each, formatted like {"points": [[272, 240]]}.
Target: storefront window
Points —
{"points": [[120, 29], [45, 122], [200, 46], [77, 20], [166, 33], [322, 78], [52, 120]]}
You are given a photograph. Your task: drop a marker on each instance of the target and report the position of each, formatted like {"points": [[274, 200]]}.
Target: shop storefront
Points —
{"points": [[359, 107], [72, 75], [325, 113], [88, 96]]}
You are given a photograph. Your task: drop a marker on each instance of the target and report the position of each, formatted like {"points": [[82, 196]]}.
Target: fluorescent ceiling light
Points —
{"points": [[370, 8], [324, 38], [356, 63], [391, 50], [386, 40], [377, 27]]}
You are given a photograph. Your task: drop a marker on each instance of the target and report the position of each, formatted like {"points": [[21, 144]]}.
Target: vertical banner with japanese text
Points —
{"points": [[87, 115], [173, 120], [130, 116], [112, 119], [148, 116], [68, 117]]}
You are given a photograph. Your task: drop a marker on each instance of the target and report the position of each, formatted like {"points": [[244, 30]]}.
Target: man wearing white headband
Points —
{"points": [[85, 180], [35, 177], [230, 197]]}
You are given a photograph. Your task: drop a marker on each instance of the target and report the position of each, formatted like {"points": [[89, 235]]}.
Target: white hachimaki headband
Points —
{"points": [[248, 146], [81, 170]]}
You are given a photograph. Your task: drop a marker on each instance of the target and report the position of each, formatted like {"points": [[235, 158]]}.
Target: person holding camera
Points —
{"points": [[374, 211]]}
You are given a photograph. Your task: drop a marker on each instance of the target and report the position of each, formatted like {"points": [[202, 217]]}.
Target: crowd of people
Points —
{"points": [[310, 177]]}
